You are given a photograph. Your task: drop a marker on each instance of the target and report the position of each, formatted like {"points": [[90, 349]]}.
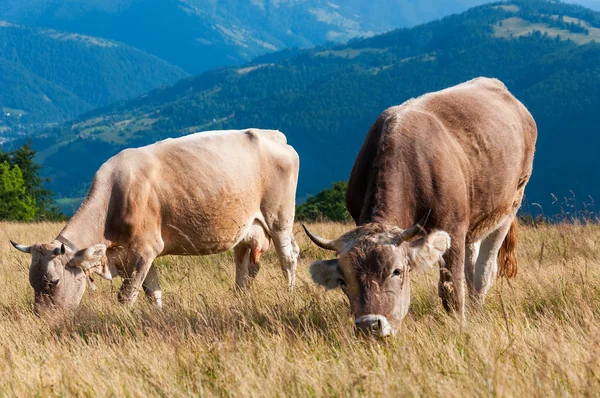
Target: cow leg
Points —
{"points": [[246, 265], [151, 287], [253, 265], [451, 287], [486, 267], [471, 253], [241, 254], [287, 251], [139, 266]]}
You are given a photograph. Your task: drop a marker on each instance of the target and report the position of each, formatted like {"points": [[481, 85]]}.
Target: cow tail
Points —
{"points": [[508, 265]]}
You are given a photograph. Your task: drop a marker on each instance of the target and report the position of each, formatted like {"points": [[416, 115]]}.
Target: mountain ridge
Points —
{"points": [[50, 76], [324, 99], [199, 35]]}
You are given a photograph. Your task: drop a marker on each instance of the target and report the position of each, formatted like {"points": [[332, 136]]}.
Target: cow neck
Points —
{"points": [[86, 227], [391, 201], [399, 217], [391, 190]]}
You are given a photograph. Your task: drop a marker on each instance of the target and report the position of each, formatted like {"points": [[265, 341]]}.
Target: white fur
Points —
{"points": [[486, 266], [90, 257], [428, 251], [383, 328]]}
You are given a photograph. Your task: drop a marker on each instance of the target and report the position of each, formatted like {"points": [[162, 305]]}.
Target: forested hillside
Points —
{"points": [[198, 35], [325, 99], [47, 76]]}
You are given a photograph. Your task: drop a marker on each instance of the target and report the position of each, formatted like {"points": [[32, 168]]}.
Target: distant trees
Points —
{"points": [[15, 204], [23, 196], [49, 79], [329, 204]]}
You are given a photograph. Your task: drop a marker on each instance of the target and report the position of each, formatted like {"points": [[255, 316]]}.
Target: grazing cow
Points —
{"points": [[199, 194], [463, 154]]}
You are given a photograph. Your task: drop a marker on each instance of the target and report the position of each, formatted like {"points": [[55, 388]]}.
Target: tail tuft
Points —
{"points": [[508, 265]]}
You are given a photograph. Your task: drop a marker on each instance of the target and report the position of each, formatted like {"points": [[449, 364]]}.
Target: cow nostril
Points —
{"points": [[377, 326], [53, 283]]}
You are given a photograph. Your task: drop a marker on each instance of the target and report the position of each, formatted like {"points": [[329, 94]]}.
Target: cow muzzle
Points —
{"points": [[374, 325]]}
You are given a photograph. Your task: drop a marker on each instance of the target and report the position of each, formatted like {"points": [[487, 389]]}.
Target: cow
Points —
{"points": [[461, 156], [199, 194]]}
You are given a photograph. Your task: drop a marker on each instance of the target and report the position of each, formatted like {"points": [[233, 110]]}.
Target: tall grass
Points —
{"points": [[537, 336]]}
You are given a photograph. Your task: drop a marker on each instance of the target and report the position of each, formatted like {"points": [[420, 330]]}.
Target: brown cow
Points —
{"points": [[199, 194], [466, 154]]}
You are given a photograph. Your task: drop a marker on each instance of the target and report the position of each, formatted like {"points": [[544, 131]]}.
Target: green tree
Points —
{"points": [[329, 204], [34, 183], [4, 156], [15, 204]]}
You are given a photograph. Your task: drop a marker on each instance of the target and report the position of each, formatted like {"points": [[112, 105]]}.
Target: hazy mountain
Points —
{"points": [[50, 76], [324, 99], [199, 35]]}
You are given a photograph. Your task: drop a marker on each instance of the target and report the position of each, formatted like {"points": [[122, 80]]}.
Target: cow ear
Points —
{"points": [[89, 258], [426, 252], [325, 273]]}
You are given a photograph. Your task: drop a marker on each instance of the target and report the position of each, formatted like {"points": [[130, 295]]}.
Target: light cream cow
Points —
{"points": [[199, 194]]}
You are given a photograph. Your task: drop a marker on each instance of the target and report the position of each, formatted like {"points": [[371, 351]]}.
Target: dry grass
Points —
{"points": [[539, 336]]}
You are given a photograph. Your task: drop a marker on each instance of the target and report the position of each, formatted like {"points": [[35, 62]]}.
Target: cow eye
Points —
{"points": [[341, 283], [397, 272]]}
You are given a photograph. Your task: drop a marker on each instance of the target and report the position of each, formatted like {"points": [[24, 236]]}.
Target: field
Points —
{"points": [[537, 336]]}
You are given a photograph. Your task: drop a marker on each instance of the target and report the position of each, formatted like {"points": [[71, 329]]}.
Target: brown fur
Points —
{"points": [[508, 264], [465, 152]]}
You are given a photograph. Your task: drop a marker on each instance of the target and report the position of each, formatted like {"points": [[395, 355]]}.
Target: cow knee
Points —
{"points": [[451, 291], [288, 251], [128, 293], [446, 293], [291, 262], [291, 255]]}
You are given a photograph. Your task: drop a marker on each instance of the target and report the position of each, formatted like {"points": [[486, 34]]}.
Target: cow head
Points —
{"points": [[58, 274], [373, 269]]}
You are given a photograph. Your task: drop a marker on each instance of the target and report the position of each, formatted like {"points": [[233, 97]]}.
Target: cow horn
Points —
{"points": [[415, 230], [21, 248], [322, 243]]}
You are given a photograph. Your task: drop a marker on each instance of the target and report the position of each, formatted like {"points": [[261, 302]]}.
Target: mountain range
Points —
{"points": [[325, 98], [198, 35], [49, 76], [61, 58]]}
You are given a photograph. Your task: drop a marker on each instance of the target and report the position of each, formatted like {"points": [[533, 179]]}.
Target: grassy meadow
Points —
{"points": [[538, 335]]}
